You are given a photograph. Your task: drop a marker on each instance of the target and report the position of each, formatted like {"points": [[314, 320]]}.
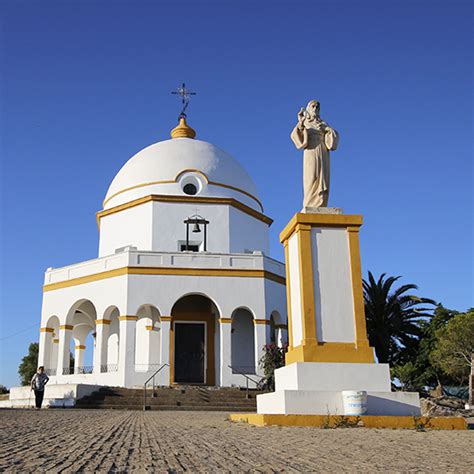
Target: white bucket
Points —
{"points": [[355, 403]]}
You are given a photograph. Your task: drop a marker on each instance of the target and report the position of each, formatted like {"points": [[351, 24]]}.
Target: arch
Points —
{"points": [[82, 307], [81, 317], [111, 341], [243, 341], [147, 338], [51, 344], [193, 339], [216, 307], [278, 334]]}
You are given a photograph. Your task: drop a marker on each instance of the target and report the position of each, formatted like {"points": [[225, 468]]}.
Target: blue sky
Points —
{"points": [[85, 85]]}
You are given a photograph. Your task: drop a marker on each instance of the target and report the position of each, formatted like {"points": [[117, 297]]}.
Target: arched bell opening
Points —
{"points": [[193, 340]]}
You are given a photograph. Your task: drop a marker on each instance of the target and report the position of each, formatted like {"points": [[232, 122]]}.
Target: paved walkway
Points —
{"points": [[100, 440]]}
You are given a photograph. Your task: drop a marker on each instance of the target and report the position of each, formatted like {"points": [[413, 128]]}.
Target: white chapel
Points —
{"points": [[182, 283]]}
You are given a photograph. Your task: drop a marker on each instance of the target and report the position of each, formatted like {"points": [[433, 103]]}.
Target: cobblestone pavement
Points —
{"points": [[100, 440]]}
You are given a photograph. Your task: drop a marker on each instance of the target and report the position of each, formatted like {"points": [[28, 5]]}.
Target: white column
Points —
{"points": [[100, 352], [126, 365], [45, 347], [63, 348], [225, 328], [260, 327], [154, 350], [78, 357], [164, 376]]}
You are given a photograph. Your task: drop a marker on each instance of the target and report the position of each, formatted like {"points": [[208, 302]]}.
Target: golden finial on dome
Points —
{"points": [[183, 130]]}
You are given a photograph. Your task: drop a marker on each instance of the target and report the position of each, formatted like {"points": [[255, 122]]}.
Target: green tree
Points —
{"points": [[419, 372], [394, 318], [29, 364], [455, 347]]}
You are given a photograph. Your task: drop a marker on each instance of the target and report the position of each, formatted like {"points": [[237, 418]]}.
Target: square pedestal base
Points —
{"points": [[315, 388], [310, 402]]}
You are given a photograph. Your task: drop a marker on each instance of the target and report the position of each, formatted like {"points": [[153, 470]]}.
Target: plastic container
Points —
{"points": [[355, 402]]}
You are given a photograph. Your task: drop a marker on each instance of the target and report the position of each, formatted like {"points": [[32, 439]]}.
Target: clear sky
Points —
{"points": [[85, 85]]}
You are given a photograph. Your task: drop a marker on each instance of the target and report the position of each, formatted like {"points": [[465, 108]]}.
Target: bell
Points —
{"points": [[196, 228]]}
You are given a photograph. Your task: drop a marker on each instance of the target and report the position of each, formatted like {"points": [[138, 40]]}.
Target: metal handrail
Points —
{"points": [[146, 383], [247, 378]]}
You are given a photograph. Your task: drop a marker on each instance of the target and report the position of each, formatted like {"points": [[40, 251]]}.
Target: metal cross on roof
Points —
{"points": [[185, 95]]}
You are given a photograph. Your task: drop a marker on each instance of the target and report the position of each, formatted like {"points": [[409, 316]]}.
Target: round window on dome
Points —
{"points": [[190, 189], [191, 183]]}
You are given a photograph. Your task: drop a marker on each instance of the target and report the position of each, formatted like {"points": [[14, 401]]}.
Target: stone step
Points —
{"points": [[161, 401], [195, 398], [174, 408]]}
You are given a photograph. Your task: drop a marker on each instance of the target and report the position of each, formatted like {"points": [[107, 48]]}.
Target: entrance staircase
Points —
{"points": [[184, 397]]}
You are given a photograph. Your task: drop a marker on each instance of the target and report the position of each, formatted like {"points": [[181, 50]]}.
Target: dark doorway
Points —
{"points": [[189, 344]]}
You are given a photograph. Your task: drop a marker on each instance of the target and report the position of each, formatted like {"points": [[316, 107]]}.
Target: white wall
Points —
{"points": [[332, 285], [295, 291], [132, 226], [169, 228], [247, 233], [159, 226]]}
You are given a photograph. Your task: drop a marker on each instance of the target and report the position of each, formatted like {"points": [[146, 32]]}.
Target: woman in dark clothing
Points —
{"points": [[38, 382]]}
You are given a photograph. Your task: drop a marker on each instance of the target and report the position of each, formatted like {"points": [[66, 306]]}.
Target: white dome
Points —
{"points": [[166, 167]]}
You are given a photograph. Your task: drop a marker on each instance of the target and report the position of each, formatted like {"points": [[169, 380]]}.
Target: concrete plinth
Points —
{"points": [[55, 396]]}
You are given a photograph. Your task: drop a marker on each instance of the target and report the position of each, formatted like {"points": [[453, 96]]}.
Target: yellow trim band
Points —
{"points": [[225, 320], [367, 421], [194, 272], [261, 321], [55, 341], [128, 318], [321, 220], [46, 329], [66, 327], [80, 347], [188, 199], [165, 319], [151, 328], [102, 321], [171, 181]]}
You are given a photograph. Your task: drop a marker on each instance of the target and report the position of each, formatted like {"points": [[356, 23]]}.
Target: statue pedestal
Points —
{"points": [[328, 347]]}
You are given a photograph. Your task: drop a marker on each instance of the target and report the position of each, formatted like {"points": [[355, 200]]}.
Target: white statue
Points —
{"points": [[317, 139]]}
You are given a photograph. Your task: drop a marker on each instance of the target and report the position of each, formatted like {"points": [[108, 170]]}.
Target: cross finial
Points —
{"points": [[185, 95]]}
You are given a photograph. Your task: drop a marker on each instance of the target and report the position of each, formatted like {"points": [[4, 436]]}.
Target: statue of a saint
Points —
{"points": [[316, 138]]}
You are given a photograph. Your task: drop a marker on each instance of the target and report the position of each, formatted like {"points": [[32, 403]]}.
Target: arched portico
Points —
{"points": [[193, 340]]}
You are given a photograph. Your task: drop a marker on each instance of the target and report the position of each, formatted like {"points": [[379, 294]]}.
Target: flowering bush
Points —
{"points": [[272, 358]]}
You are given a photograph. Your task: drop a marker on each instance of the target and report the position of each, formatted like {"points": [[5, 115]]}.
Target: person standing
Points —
{"points": [[38, 382]]}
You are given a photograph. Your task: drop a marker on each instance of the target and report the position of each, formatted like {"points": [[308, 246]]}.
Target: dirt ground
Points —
{"points": [[101, 440]]}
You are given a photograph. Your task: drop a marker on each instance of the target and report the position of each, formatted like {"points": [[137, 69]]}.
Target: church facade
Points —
{"points": [[182, 284]]}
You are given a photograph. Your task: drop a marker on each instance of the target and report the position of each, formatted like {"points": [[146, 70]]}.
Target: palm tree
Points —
{"points": [[394, 318]]}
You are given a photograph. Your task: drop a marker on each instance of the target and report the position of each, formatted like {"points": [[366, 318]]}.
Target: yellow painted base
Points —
{"points": [[366, 421], [330, 352]]}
